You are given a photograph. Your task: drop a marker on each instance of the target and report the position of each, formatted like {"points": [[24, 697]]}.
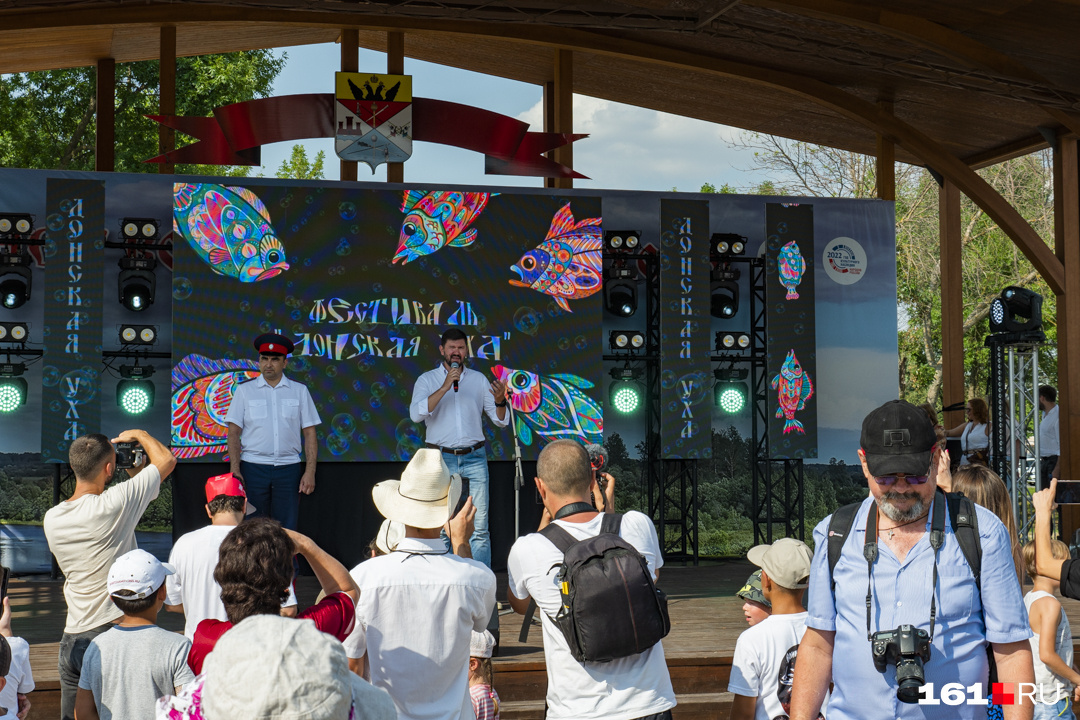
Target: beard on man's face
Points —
{"points": [[897, 514]]}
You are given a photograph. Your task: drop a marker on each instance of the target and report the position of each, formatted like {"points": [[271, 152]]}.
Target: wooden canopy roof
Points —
{"points": [[982, 80]]}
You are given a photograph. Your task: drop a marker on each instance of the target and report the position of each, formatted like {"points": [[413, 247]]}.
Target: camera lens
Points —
{"points": [[909, 678]]}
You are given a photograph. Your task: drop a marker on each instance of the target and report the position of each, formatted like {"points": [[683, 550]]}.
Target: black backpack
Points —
{"points": [[610, 606]]}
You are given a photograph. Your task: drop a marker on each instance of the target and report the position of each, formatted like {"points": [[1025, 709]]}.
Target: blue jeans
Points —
{"points": [[474, 467], [1061, 710], [69, 664], [274, 490]]}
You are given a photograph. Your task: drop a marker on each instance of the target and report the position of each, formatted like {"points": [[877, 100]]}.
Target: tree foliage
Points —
{"points": [[298, 167], [50, 116]]}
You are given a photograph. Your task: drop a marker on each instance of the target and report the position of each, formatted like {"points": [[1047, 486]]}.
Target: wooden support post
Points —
{"points": [[1067, 247], [563, 108], [952, 302], [167, 94], [350, 62], [886, 162], [395, 65], [105, 141]]}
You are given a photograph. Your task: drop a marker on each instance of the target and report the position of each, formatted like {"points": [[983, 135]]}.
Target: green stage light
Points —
{"points": [[135, 392], [731, 397], [12, 394], [625, 397]]}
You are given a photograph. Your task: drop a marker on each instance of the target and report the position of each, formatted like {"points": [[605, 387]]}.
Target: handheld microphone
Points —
{"points": [[455, 366], [598, 457]]}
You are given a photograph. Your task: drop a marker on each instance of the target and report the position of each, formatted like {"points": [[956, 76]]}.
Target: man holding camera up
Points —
{"points": [[930, 621], [89, 530]]}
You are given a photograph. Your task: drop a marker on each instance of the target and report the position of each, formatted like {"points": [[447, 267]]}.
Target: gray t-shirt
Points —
{"points": [[129, 668]]}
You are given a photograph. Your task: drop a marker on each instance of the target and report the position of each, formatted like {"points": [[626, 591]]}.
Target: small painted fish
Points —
{"points": [[567, 264], [435, 219], [791, 264], [795, 388], [552, 406], [202, 391], [229, 227]]}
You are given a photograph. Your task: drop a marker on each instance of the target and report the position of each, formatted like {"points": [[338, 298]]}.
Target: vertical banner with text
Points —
{"points": [[685, 377], [73, 302], [792, 330]]}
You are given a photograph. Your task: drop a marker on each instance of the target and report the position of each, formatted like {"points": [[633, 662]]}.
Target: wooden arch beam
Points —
{"points": [[618, 45]]}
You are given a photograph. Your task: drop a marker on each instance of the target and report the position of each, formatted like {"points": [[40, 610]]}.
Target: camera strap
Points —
{"points": [[870, 552]]}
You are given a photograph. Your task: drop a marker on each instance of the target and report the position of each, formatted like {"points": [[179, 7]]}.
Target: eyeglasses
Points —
{"points": [[909, 479]]}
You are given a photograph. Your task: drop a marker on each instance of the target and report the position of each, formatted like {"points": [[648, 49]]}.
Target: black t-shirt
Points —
{"points": [[1070, 579]]}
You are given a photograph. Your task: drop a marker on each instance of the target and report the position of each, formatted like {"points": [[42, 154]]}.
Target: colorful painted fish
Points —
{"points": [[435, 219], [229, 227], [791, 264], [567, 265], [552, 406], [794, 389], [202, 391]]}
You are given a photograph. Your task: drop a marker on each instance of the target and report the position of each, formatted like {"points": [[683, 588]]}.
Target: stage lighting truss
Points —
{"points": [[138, 334], [137, 282], [733, 342], [628, 241], [16, 226], [14, 332], [626, 393], [730, 392], [142, 229], [727, 245], [620, 291], [16, 280], [629, 340], [13, 387], [135, 391], [724, 292]]}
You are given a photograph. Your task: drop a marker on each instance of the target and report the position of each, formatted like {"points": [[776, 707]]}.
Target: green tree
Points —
{"points": [[298, 167], [50, 115]]}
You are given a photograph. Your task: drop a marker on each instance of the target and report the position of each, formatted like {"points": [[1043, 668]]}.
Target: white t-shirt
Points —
{"points": [[19, 678], [975, 437], [87, 534], [195, 555], [1049, 438], [622, 689], [764, 660]]}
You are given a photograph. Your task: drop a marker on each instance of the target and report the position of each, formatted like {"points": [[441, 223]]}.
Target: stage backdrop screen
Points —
{"points": [[365, 282]]}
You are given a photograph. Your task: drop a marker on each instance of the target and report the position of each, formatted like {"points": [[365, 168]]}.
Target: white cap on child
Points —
{"points": [[482, 644], [137, 571]]}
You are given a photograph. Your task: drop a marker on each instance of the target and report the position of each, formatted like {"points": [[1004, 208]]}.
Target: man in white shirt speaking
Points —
{"points": [[88, 531], [271, 420], [451, 401]]}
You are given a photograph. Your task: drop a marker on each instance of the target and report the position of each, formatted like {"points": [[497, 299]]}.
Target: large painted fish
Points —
{"points": [[435, 219], [791, 264], [567, 264], [229, 227], [794, 389], [202, 392], [552, 406]]}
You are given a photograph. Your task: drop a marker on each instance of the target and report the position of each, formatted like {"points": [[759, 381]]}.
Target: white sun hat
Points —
{"points": [[425, 495], [390, 534]]}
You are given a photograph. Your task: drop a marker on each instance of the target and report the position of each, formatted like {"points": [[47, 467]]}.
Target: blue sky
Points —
{"points": [[629, 148]]}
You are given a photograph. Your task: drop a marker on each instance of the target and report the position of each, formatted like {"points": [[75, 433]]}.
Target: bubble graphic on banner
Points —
{"points": [[498, 450], [343, 424], [365, 363], [408, 433], [265, 326], [774, 242], [436, 272], [78, 386], [299, 364], [780, 309], [365, 416], [331, 371], [377, 287], [245, 306], [798, 328], [49, 248], [55, 222], [696, 384], [378, 389], [358, 386], [580, 342], [50, 376], [59, 296], [343, 247], [296, 314], [337, 445], [667, 379], [453, 279], [181, 288], [563, 343], [362, 439], [55, 406], [781, 227], [527, 320]]}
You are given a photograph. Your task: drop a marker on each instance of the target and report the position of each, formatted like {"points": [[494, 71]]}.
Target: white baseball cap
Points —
{"points": [[137, 571]]}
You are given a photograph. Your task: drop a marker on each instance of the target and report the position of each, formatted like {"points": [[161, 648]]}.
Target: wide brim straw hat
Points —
{"points": [[424, 496]]}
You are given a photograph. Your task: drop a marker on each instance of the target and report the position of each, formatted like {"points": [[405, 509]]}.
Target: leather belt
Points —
{"points": [[456, 451]]}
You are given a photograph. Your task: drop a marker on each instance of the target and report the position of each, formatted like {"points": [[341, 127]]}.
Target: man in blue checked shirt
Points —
{"points": [[901, 464]]}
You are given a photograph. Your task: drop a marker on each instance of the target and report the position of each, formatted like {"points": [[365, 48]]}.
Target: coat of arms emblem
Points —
{"points": [[373, 114]]}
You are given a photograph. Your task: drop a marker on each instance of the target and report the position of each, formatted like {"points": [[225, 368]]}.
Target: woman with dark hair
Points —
{"points": [[255, 569], [974, 434]]}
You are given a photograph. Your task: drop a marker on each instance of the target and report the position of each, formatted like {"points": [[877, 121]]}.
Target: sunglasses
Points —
{"points": [[909, 479]]}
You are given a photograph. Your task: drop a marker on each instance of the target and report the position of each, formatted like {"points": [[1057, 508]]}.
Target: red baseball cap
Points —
{"points": [[226, 484]]}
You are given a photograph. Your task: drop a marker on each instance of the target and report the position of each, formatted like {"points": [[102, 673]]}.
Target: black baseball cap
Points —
{"points": [[898, 438]]}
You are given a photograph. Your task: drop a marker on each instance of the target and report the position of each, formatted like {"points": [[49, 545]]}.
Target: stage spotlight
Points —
{"points": [[626, 393], [626, 340], [16, 280], [138, 334], [13, 332], [13, 387], [1017, 309], [620, 291], [724, 292], [622, 240], [139, 228], [730, 392], [137, 283], [135, 392], [732, 341], [728, 244], [14, 225]]}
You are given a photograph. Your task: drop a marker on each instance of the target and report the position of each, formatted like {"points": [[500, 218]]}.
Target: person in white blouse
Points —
{"points": [[974, 434], [1049, 439]]}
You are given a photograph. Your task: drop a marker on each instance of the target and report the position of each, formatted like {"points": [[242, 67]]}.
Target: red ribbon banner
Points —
{"points": [[235, 133]]}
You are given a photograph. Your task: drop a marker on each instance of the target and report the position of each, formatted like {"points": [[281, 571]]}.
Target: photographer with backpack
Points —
{"points": [[602, 620]]}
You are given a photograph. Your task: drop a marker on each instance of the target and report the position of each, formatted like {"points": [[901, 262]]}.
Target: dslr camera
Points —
{"points": [[907, 647], [128, 455]]}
